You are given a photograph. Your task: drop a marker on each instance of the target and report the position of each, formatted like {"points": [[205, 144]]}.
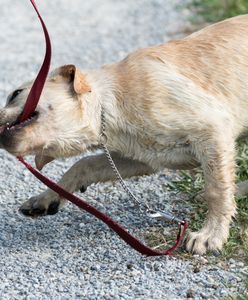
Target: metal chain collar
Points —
{"points": [[150, 212], [103, 141]]}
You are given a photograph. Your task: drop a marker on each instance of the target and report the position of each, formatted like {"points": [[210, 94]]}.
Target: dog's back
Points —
{"points": [[206, 69]]}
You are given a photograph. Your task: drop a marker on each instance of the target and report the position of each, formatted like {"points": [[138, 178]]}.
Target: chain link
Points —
{"points": [[103, 141]]}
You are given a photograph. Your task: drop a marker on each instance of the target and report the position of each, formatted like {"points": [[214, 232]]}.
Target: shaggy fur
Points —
{"points": [[178, 105]]}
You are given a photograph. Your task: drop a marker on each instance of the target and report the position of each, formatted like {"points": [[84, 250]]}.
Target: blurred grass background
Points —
{"points": [[216, 10]]}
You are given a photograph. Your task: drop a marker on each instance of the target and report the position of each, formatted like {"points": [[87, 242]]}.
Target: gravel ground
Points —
{"points": [[71, 255]]}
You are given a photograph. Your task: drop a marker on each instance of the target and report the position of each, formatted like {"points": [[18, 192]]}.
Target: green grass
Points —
{"points": [[192, 184], [244, 296], [216, 10]]}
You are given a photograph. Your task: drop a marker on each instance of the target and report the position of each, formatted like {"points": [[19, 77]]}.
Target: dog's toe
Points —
{"points": [[36, 207], [83, 189], [25, 211], [201, 242], [53, 208], [30, 211], [195, 244]]}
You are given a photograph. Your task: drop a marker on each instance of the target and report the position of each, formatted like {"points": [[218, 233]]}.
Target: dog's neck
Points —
{"points": [[105, 87]]}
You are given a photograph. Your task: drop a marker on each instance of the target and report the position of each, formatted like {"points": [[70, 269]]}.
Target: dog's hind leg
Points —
{"points": [[85, 172], [216, 152]]}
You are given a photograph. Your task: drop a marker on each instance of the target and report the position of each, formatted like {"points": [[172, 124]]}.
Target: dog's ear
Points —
{"points": [[74, 75]]}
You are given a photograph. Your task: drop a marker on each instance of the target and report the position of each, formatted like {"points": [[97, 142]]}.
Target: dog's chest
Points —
{"points": [[155, 149]]}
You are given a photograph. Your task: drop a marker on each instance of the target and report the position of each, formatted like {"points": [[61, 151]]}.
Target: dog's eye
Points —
{"points": [[14, 95]]}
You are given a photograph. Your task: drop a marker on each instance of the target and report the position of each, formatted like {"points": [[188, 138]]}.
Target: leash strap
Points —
{"points": [[37, 87], [30, 106], [122, 232]]}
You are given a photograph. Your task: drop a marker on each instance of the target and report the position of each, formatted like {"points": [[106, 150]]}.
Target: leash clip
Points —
{"points": [[165, 217]]}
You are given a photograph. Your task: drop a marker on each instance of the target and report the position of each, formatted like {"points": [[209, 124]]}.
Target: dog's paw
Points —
{"points": [[203, 241], [40, 206], [83, 189]]}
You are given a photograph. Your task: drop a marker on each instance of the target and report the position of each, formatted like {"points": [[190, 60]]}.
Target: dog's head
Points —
{"points": [[59, 126]]}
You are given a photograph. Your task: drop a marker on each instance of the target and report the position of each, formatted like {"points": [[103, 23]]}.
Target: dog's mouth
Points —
{"points": [[19, 125]]}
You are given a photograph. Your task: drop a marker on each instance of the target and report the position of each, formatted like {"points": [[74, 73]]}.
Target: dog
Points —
{"points": [[179, 105]]}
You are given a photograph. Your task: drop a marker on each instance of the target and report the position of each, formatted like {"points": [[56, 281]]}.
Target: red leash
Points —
{"points": [[37, 87], [29, 108], [122, 232]]}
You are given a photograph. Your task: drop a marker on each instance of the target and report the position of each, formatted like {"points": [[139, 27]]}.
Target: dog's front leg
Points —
{"points": [[88, 170], [217, 156]]}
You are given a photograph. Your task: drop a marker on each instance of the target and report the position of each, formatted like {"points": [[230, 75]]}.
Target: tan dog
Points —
{"points": [[177, 105]]}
